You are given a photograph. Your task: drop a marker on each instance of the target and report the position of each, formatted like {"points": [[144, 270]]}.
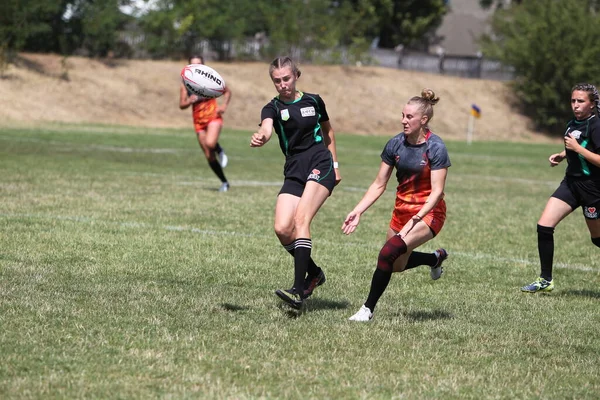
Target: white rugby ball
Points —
{"points": [[203, 81]]}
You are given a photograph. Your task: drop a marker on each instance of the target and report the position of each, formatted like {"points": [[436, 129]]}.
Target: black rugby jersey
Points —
{"points": [[297, 124], [587, 134]]}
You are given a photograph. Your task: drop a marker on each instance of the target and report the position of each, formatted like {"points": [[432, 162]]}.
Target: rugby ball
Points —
{"points": [[203, 81]]}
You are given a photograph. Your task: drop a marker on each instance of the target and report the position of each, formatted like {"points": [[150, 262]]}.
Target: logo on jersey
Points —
{"points": [[307, 111], [315, 174], [424, 161], [285, 114], [590, 212], [575, 134]]}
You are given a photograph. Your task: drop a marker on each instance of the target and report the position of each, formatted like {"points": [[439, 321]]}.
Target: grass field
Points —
{"points": [[125, 274]]}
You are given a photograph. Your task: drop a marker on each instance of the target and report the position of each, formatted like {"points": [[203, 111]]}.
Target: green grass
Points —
{"points": [[125, 274]]}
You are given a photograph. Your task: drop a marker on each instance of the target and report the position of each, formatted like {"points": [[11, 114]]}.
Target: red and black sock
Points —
{"points": [[391, 250]]}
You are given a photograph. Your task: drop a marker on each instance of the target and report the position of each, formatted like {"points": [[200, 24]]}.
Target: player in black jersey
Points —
{"points": [[581, 184], [310, 173]]}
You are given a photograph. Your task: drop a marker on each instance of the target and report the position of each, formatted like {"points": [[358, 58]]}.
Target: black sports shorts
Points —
{"points": [[314, 164], [584, 193]]}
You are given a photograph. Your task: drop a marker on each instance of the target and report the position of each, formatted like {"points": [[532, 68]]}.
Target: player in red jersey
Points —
{"points": [[208, 121], [421, 161]]}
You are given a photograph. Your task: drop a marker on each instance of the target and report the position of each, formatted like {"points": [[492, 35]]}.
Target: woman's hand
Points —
{"points": [[351, 222], [258, 139], [555, 159], [571, 143], [409, 226], [338, 176]]}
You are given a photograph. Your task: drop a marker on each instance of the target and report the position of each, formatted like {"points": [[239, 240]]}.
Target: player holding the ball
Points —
{"points": [[208, 121], [311, 171], [581, 184], [421, 162]]}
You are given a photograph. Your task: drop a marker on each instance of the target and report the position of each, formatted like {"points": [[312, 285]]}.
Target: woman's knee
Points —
{"points": [[283, 231]]}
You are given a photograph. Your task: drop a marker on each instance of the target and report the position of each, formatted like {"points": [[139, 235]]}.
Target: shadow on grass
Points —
{"points": [[422, 316], [581, 293], [233, 307], [324, 304], [313, 305]]}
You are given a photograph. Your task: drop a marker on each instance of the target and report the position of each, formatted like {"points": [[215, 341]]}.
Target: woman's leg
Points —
{"points": [[393, 257], [312, 199], [285, 209], [285, 213], [554, 212], [208, 141], [594, 228]]}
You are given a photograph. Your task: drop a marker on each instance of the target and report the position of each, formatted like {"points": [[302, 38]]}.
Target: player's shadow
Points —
{"points": [[233, 307], [313, 305], [423, 316], [594, 294], [325, 304]]}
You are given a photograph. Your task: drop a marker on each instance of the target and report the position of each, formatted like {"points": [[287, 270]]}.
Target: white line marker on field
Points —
{"points": [[212, 232]]}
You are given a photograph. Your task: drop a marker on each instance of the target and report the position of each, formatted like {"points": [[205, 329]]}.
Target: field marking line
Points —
{"points": [[213, 232]]}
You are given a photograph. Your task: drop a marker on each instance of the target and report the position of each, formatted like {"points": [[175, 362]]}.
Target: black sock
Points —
{"points": [[302, 249], [417, 258], [313, 269], [218, 148], [546, 250], [379, 282], [216, 167]]}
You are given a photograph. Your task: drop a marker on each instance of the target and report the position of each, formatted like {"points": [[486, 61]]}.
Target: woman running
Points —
{"points": [[421, 161], [580, 186], [208, 121]]}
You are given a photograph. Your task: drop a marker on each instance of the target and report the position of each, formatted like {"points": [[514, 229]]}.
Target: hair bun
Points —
{"points": [[429, 96]]}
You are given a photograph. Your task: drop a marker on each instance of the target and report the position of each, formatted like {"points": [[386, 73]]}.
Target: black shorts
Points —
{"points": [[584, 193], [314, 164]]}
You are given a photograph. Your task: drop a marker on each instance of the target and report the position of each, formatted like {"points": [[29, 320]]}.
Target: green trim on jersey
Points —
{"points": [[318, 138], [585, 168], [283, 136]]}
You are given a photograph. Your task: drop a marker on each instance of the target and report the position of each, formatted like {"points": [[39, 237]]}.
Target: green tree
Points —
{"points": [[21, 20], [408, 22], [551, 44], [176, 27], [93, 25], [308, 25]]}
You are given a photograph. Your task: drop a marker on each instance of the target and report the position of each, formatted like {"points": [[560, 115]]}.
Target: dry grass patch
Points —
{"points": [[363, 100]]}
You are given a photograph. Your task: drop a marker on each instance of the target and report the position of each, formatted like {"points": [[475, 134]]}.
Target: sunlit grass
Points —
{"points": [[125, 274]]}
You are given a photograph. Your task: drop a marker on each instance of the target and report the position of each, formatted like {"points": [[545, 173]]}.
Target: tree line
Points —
{"points": [[172, 28], [550, 44]]}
